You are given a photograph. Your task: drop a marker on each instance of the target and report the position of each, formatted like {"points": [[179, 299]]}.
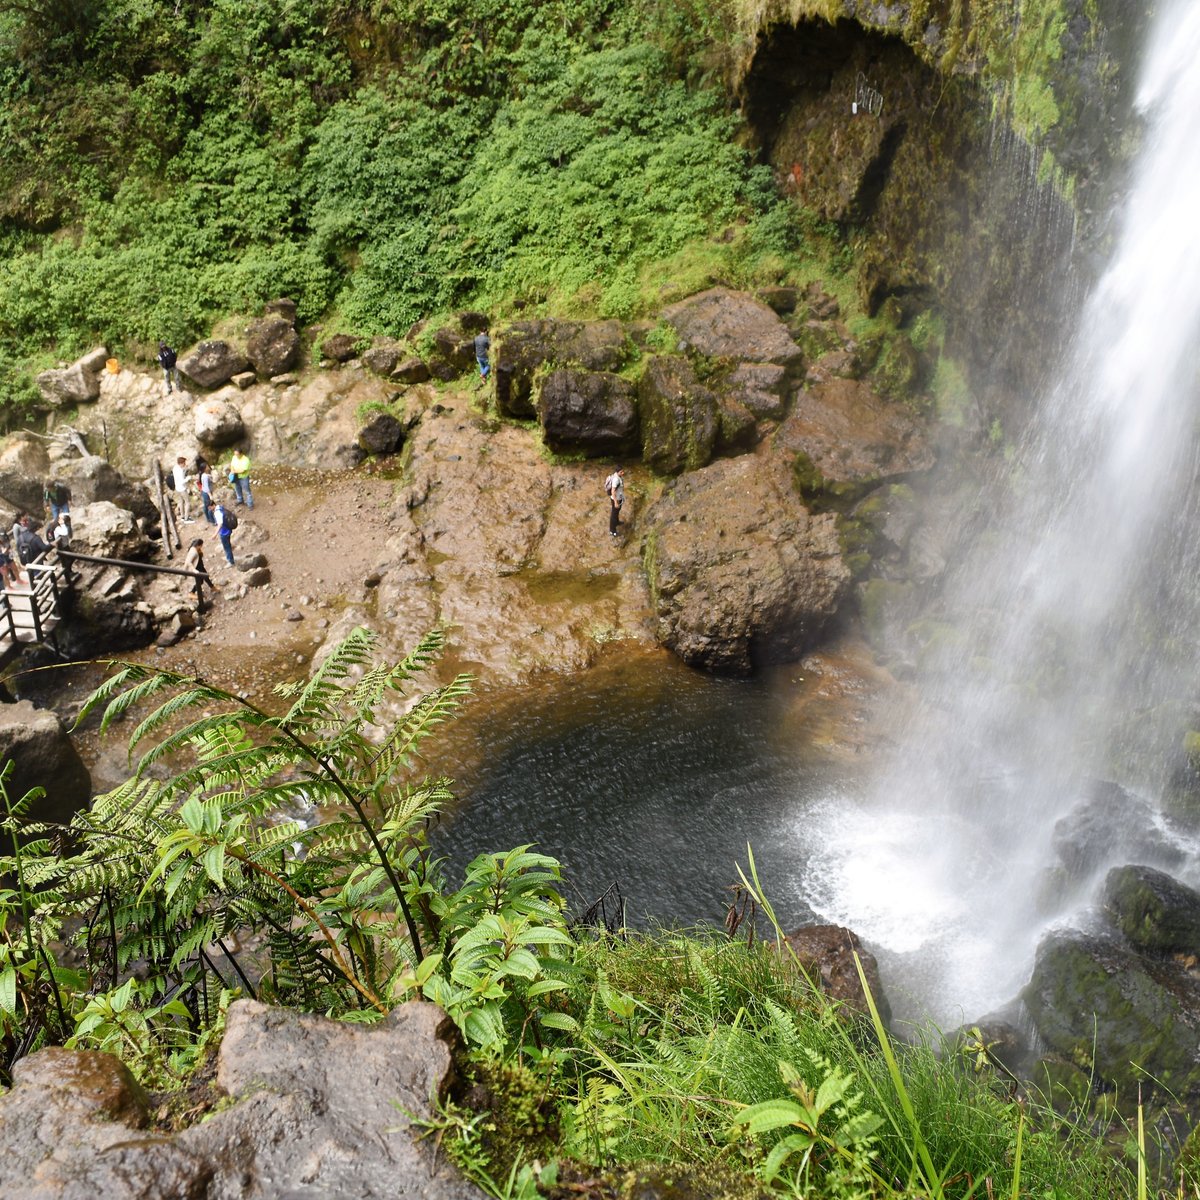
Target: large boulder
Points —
{"points": [[846, 439], [681, 419], [1107, 826], [272, 346], [322, 1108], [740, 573], [761, 387], [1094, 1000], [382, 434], [1157, 914], [524, 346], [24, 466], [42, 754], [103, 529], [452, 353], [825, 953], [721, 323], [77, 384], [382, 358], [93, 478], [213, 363], [217, 423], [587, 412], [340, 347]]}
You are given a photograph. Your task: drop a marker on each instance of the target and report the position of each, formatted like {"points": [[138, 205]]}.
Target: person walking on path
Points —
{"points": [[179, 477], [194, 561], [166, 360], [483, 347], [614, 485], [205, 483], [226, 524], [239, 476]]}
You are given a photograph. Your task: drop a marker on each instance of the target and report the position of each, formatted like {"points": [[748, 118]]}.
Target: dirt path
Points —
{"points": [[322, 534]]}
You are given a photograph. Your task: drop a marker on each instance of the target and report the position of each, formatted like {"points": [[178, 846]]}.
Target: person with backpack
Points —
{"points": [[239, 476], [166, 360], [614, 487], [227, 522], [30, 546]]}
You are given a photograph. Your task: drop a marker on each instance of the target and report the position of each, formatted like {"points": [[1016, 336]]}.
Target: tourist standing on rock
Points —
{"points": [[483, 347], [205, 483], [166, 360], [614, 485], [179, 476], [57, 498], [194, 561], [239, 476], [227, 522]]}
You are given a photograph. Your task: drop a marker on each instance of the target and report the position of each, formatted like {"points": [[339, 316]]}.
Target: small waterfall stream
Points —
{"points": [[1075, 616]]}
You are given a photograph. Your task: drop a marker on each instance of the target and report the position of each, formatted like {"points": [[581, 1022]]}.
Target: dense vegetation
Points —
{"points": [[707, 1054], [167, 163]]}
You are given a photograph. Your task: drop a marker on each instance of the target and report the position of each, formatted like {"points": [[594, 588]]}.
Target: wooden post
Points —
{"points": [[167, 513]]}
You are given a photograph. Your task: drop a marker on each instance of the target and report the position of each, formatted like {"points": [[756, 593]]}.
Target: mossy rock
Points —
{"points": [[680, 417], [1156, 913], [1066, 1087], [1137, 1020]]}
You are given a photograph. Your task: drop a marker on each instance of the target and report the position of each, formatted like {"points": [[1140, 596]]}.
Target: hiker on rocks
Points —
{"points": [[239, 476], [179, 477], [194, 561], [483, 347], [227, 522], [204, 482], [166, 360], [614, 486], [57, 498], [60, 532]]}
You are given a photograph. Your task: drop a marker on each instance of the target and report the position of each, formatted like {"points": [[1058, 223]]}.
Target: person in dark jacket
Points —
{"points": [[483, 346], [166, 360]]}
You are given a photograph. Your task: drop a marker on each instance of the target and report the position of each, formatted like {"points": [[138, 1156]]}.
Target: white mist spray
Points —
{"points": [[1075, 615]]}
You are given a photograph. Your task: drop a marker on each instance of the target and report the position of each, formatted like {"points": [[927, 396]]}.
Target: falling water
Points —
{"points": [[1075, 614]]}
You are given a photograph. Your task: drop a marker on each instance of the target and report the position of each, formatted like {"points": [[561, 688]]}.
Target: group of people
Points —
{"points": [[27, 540], [217, 508]]}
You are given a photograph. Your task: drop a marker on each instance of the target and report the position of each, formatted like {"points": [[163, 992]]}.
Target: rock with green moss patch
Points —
{"points": [[680, 417], [1139, 1017], [1156, 913]]}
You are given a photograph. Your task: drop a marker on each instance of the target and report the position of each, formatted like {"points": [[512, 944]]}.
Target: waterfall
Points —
{"points": [[1073, 618]]}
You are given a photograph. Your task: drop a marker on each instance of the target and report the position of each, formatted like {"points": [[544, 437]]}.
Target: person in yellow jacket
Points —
{"points": [[239, 476]]}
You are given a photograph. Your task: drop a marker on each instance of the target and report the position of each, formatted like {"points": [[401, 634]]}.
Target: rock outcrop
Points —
{"points": [[826, 955], [588, 412], [272, 346], [740, 573], [77, 384], [721, 323], [322, 1109], [680, 418], [524, 346], [212, 363], [42, 756], [217, 423], [1157, 914]]}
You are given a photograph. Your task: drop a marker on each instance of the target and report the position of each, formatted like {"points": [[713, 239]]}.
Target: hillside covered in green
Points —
{"points": [[164, 165]]}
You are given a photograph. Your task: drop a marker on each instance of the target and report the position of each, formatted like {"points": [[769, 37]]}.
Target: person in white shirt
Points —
{"points": [[614, 485], [180, 479]]}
